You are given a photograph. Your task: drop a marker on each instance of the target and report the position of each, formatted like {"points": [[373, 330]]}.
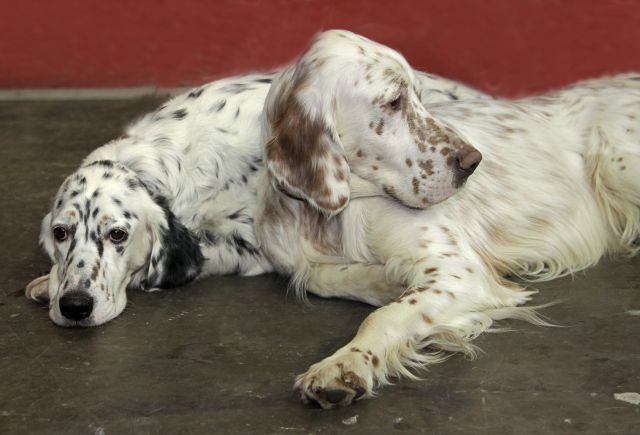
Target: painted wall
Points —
{"points": [[506, 47]]}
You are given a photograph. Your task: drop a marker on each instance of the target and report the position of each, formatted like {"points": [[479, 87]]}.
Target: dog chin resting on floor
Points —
{"points": [[170, 201], [370, 195]]}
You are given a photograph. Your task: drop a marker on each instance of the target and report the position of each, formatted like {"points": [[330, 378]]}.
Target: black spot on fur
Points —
{"points": [[452, 96], [219, 106], [107, 175], [195, 93], [105, 163], [126, 214], [87, 283], [74, 193], [235, 215], [179, 114], [264, 80], [237, 113], [95, 212], [59, 203], [119, 249], [243, 246], [80, 264], [72, 246], [132, 183], [95, 193], [244, 178], [117, 201]]}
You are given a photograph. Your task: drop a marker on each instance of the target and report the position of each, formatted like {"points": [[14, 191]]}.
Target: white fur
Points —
{"points": [[558, 188]]}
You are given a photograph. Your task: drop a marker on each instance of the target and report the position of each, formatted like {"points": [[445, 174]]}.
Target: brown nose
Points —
{"points": [[467, 160]]}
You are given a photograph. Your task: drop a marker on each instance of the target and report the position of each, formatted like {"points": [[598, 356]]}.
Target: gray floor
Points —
{"points": [[220, 355]]}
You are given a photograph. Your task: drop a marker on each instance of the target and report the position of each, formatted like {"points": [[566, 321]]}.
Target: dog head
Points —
{"points": [[352, 106], [105, 233]]}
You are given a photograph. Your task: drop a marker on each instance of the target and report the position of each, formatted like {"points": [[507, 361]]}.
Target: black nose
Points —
{"points": [[467, 161], [76, 305]]}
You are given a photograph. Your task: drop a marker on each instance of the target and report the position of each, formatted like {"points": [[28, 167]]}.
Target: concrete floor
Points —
{"points": [[220, 355]]}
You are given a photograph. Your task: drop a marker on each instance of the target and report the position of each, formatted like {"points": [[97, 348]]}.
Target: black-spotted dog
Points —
{"points": [[558, 188], [172, 200]]}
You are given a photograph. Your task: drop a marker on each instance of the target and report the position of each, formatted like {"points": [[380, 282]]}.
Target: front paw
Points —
{"points": [[338, 380], [38, 289]]}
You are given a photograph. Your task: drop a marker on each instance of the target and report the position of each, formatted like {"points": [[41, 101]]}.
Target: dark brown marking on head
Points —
{"points": [[427, 319], [430, 270], [409, 162], [375, 361], [380, 127], [413, 301]]}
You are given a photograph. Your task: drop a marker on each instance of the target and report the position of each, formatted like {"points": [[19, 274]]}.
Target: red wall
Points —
{"points": [[503, 46]]}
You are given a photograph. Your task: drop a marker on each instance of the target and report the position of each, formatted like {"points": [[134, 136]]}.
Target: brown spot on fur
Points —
{"points": [[409, 162], [374, 167], [416, 185], [427, 166], [413, 301], [436, 291], [427, 319], [94, 272], [360, 153], [375, 361], [445, 151], [355, 349], [430, 270], [450, 294], [380, 127]]}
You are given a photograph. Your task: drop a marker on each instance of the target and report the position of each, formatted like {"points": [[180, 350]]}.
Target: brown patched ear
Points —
{"points": [[304, 154]]}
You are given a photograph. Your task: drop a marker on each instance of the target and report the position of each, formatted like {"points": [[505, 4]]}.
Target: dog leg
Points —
{"points": [[450, 300], [357, 281]]}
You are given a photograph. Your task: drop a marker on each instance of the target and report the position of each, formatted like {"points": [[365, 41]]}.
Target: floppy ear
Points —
{"points": [[46, 238], [303, 152], [175, 257]]}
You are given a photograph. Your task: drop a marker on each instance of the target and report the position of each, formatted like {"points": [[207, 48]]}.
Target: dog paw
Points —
{"points": [[338, 380], [38, 289]]}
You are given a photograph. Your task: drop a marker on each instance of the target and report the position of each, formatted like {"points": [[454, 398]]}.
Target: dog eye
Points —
{"points": [[60, 234], [395, 104], [118, 236]]}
